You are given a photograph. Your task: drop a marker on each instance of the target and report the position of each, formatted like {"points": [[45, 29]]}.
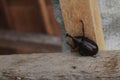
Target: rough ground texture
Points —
{"points": [[110, 13], [58, 66]]}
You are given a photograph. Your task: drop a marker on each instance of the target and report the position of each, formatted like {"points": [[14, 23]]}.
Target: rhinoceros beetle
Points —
{"points": [[85, 46]]}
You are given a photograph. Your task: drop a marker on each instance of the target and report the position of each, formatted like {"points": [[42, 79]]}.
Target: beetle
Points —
{"points": [[86, 46]]}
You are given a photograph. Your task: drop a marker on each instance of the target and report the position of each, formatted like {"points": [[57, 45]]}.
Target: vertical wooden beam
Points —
{"points": [[55, 26], [51, 25], [87, 10], [7, 13]]}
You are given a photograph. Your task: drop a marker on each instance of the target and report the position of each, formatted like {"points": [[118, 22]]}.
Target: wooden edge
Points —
{"points": [[59, 66], [27, 43], [43, 7], [51, 25], [98, 24], [88, 11]]}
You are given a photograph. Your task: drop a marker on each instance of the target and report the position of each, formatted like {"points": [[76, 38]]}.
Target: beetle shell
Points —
{"points": [[88, 48]]}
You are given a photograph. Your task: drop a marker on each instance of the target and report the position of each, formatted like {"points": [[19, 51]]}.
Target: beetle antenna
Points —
{"points": [[83, 30]]}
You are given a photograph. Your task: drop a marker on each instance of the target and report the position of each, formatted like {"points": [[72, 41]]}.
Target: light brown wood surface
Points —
{"points": [[87, 10]]}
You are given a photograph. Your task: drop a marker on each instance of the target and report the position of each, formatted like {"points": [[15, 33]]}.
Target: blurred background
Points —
{"points": [[28, 26], [110, 14], [36, 26]]}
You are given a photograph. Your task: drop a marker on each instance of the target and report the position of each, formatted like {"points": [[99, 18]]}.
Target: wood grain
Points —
{"points": [[6, 12], [51, 25], [30, 16], [87, 10]]}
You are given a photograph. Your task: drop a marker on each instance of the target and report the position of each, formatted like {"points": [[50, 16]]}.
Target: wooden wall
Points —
{"points": [[28, 16], [3, 24]]}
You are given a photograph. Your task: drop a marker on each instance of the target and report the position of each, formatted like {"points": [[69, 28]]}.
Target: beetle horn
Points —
{"points": [[83, 30]]}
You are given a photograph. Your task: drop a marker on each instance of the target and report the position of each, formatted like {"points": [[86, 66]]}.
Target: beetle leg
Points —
{"points": [[69, 39], [78, 37], [73, 47]]}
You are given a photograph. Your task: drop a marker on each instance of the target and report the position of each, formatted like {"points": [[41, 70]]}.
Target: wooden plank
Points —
{"points": [[50, 24], [87, 10], [8, 47], [55, 26], [7, 13], [24, 43], [3, 22], [30, 16], [25, 14], [60, 66]]}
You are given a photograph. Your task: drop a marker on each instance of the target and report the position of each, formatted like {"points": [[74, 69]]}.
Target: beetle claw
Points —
{"points": [[71, 45]]}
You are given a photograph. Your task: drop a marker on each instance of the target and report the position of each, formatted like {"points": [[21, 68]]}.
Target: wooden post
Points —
{"points": [[6, 11], [87, 10], [51, 24]]}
